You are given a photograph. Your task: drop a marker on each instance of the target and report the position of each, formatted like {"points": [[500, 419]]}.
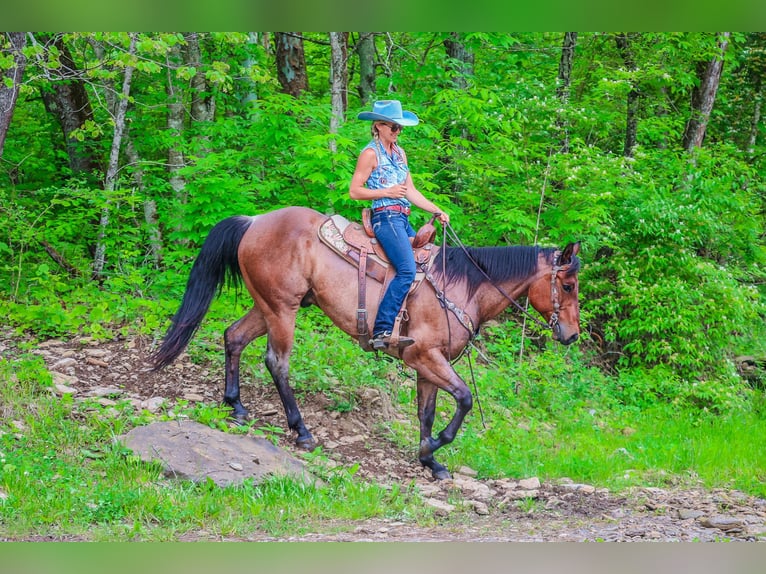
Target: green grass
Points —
{"points": [[61, 473]]}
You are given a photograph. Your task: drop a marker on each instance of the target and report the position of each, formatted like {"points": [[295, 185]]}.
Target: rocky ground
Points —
{"points": [[470, 509]]}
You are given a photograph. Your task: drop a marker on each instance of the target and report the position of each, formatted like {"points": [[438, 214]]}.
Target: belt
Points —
{"points": [[404, 210]]}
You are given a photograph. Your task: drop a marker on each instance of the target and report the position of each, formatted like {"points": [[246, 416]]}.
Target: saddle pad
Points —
{"points": [[347, 238]]}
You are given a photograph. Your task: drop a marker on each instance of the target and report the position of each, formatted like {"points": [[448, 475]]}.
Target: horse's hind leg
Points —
{"points": [[238, 336], [280, 345]]}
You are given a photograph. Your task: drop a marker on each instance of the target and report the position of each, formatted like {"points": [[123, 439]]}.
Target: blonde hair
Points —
{"points": [[374, 129]]}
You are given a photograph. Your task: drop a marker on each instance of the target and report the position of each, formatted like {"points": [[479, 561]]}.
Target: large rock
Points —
{"points": [[193, 451]]}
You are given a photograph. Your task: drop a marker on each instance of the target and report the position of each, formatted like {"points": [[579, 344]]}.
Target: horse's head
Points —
{"points": [[555, 295]]}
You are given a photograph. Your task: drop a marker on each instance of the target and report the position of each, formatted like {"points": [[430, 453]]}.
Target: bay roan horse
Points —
{"points": [[285, 266]]}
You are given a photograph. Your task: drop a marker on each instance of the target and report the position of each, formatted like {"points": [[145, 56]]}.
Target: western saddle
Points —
{"points": [[357, 244]]}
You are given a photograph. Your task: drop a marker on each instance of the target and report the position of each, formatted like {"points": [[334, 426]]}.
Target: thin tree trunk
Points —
{"points": [[114, 163], [253, 39], [365, 49], [564, 82], [175, 125], [631, 112], [10, 43], [461, 64], [757, 105], [202, 104], [150, 206], [69, 103], [291, 63], [703, 97], [461, 60], [338, 82]]}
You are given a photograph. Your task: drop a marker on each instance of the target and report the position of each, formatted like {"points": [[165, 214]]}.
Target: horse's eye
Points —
{"points": [[568, 287]]}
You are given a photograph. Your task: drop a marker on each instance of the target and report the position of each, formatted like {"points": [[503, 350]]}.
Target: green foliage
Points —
{"points": [[672, 286]]}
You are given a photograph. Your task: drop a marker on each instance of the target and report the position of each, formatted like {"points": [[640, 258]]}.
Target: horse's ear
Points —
{"points": [[569, 251]]}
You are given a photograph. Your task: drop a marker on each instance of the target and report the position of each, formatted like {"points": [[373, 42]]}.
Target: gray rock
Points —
{"points": [[193, 451], [725, 523]]}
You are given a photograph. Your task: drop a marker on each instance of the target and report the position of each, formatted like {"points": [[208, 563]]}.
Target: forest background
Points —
{"points": [[119, 152]]}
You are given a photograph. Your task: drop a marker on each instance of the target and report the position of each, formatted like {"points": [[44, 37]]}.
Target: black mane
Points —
{"points": [[498, 263]]}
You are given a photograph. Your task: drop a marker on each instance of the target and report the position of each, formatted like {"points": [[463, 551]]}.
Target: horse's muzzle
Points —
{"points": [[562, 337]]}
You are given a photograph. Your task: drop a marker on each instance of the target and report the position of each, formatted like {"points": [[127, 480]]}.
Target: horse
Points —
{"points": [[285, 266]]}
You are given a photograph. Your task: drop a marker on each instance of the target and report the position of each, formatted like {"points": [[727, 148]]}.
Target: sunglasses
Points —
{"points": [[394, 127]]}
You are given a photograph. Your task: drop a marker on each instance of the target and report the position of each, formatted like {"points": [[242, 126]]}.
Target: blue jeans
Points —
{"points": [[393, 230]]}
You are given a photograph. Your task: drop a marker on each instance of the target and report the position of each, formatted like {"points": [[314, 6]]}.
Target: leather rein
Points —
{"points": [[463, 317]]}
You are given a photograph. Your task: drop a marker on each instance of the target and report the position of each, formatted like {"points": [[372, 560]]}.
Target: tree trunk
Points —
{"points": [[758, 103], [461, 60], [69, 103], [10, 43], [175, 125], [564, 82], [338, 82], [703, 97], [365, 49], [631, 112], [291, 63], [150, 206], [202, 103], [114, 163], [251, 95]]}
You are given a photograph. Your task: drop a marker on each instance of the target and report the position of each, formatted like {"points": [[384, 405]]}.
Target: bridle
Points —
{"points": [[553, 322]]}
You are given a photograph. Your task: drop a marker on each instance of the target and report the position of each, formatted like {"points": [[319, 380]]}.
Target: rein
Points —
{"points": [[554, 321]]}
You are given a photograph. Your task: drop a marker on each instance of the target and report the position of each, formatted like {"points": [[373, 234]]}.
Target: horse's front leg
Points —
{"points": [[426, 411], [238, 336], [435, 372]]}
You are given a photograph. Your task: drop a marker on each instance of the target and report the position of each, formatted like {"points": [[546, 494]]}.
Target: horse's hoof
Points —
{"points": [[306, 443], [240, 419], [441, 474]]}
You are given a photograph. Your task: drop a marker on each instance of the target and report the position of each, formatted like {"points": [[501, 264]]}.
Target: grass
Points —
{"points": [[62, 474]]}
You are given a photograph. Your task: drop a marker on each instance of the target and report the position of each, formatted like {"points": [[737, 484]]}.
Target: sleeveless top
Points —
{"points": [[391, 170]]}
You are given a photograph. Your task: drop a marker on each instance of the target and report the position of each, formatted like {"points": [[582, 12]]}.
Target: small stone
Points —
{"points": [[521, 495], [687, 513], [97, 353], [63, 364], [236, 466], [153, 405], [442, 508], [194, 397], [529, 483], [106, 392], [352, 439], [96, 362], [64, 390], [467, 471], [479, 507]]}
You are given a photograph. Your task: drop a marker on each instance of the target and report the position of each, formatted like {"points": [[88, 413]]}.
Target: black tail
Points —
{"points": [[216, 265]]}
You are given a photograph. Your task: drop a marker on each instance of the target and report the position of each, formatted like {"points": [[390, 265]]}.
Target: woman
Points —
{"points": [[382, 175]]}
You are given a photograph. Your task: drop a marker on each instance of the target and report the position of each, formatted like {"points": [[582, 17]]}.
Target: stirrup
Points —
{"points": [[382, 340]]}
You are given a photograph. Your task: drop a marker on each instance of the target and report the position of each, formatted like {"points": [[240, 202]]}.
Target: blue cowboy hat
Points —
{"points": [[390, 111]]}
